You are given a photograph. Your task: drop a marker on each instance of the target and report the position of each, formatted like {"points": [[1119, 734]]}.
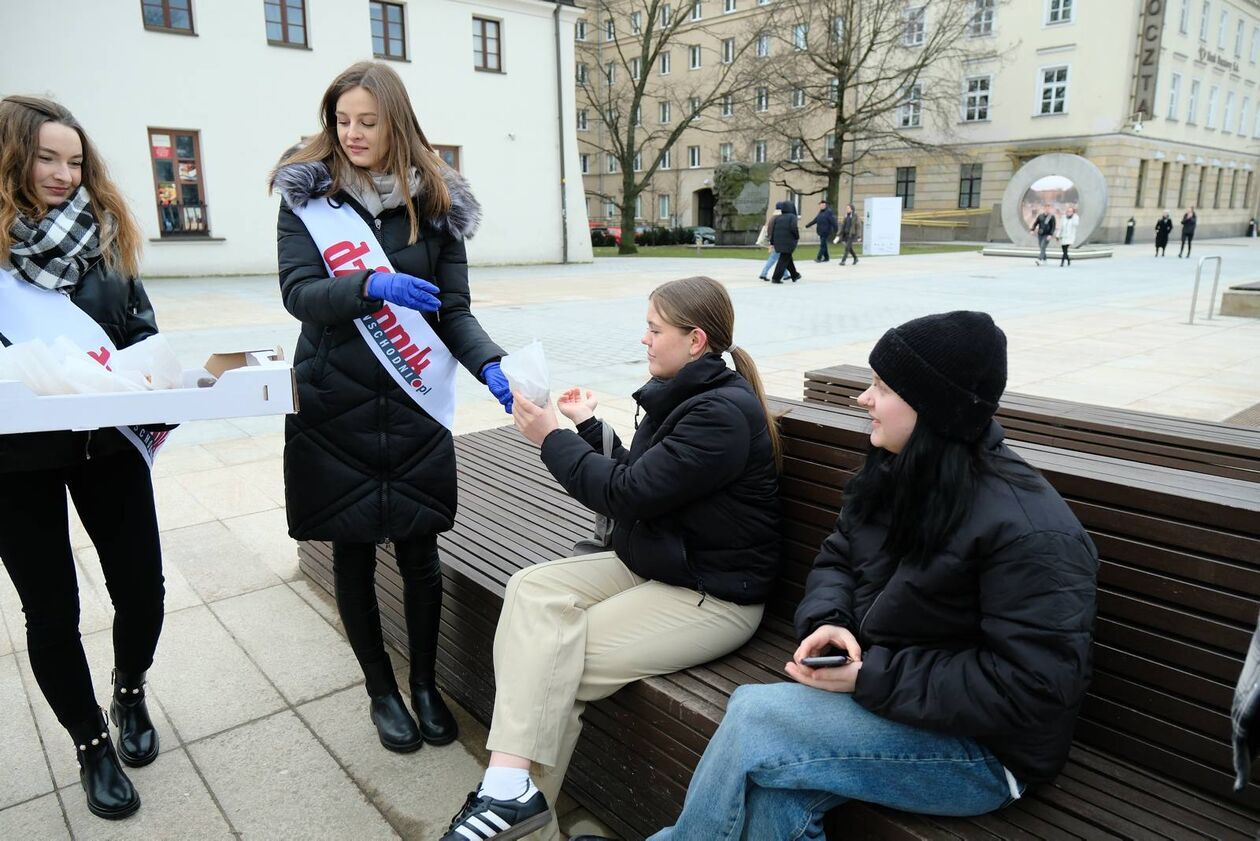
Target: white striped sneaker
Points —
{"points": [[484, 817]]}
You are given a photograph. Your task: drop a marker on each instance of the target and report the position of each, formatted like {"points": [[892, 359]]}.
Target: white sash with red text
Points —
{"points": [[30, 312], [401, 339]]}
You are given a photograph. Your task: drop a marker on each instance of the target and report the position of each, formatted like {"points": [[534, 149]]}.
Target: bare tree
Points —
{"points": [[847, 79], [640, 106]]}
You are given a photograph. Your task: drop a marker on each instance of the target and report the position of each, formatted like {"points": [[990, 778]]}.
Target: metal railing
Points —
{"points": [[1194, 299]]}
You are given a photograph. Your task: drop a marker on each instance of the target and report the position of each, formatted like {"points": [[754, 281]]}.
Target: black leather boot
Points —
{"points": [[394, 725], [437, 725], [110, 794], [137, 738], [422, 604]]}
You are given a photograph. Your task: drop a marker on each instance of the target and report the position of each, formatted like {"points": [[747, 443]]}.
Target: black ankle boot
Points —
{"points": [[137, 738], [110, 794], [394, 725], [437, 725]]}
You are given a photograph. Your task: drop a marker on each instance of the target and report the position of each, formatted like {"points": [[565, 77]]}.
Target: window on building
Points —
{"points": [[1198, 197], [487, 45], [610, 74], [728, 105], [1216, 194], [1242, 116], [1233, 188], [580, 73], [837, 29], [1238, 38], [582, 120], [830, 145], [665, 113], [1255, 132], [833, 93], [763, 45], [612, 163], [976, 99], [636, 23], [697, 10], [1214, 94], [728, 50], [1163, 184], [910, 112], [662, 202], [638, 115], [1247, 191], [666, 16], [585, 159], [610, 29], [1174, 95], [796, 200], [667, 63], [693, 107], [1221, 31], [636, 68], [179, 182], [638, 161], [1058, 11], [610, 208], [969, 177], [762, 100], [1183, 24], [667, 159], [693, 57], [905, 186], [759, 152], [982, 12], [693, 157], [167, 15], [610, 117], [1255, 45], [1139, 201], [726, 152], [1204, 19], [796, 149], [728, 6], [286, 22], [798, 98], [915, 32], [1192, 103], [1227, 124], [800, 36], [389, 36], [579, 30], [1054, 87]]}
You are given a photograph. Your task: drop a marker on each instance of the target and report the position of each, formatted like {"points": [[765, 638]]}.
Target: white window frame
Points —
{"points": [[728, 105], [612, 164], [763, 2], [1238, 38], [667, 159], [1183, 22], [610, 73], [638, 206], [693, 157], [1255, 131], [584, 158], [763, 45], [662, 206], [638, 115], [1214, 95], [915, 22], [610, 209], [666, 63], [728, 6], [579, 30], [983, 13], [580, 73], [1174, 96], [830, 145], [583, 120], [796, 150], [728, 50], [1242, 116], [726, 152], [837, 29], [638, 161], [693, 108], [833, 90], [760, 156], [761, 100], [1192, 103], [695, 59], [1059, 12], [1205, 17], [1227, 120], [1254, 53], [610, 29], [636, 68], [798, 97], [910, 111], [1222, 30], [666, 16], [697, 10], [636, 23], [665, 113], [1042, 85], [977, 100], [800, 36]]}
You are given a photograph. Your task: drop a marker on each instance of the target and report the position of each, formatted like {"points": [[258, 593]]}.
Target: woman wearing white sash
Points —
{"points": [[369, 457], [64, 227]]}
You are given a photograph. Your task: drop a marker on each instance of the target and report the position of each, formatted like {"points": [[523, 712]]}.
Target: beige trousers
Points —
{"points": [[577, 630]]}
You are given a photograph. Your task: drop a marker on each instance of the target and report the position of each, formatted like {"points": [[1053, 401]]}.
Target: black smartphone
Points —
{"points": [[825, 662]]}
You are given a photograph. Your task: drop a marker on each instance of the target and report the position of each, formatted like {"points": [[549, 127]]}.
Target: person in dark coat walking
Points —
{"points": [[784, 235], [826, 222], [363, 463], [1163, 227], [695, 552], [1189, 221], [848, 233], [960, 587], [1043, 226], [64, 226]]}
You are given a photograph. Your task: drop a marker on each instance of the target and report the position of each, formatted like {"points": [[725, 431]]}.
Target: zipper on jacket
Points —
{"points": [[699, 581], [377, 220], [867, 615]]}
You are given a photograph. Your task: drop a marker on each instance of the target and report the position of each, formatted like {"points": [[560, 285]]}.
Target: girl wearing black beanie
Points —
{"points": [[961, 589]]}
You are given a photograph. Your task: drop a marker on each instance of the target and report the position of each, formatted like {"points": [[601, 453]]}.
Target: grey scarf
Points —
{"points": [[379, 191]]}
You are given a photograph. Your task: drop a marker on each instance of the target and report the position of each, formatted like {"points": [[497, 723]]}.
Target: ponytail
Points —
{"points": [[746, 368]]}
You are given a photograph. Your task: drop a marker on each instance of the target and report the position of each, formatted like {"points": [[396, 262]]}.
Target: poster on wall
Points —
{"points": [[881, 228]]}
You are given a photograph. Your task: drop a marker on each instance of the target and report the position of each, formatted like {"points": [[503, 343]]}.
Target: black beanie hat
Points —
{"points": [[950, 368]]}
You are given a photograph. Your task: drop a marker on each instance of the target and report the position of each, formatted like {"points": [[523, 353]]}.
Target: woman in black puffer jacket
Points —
{"points": [[363, 463], [64, 227]]}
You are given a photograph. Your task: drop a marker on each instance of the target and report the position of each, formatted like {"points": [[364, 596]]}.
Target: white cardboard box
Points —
{"points": [[250, 383]]}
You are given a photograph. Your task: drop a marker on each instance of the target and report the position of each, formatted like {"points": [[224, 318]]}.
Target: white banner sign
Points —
{"points": [[881, 231]]}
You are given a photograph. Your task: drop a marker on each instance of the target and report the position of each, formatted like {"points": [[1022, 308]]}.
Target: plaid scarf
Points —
{"points": [[55, 252]]}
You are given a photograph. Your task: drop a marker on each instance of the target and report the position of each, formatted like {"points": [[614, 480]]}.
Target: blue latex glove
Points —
{"points": [[404, 290], [497, 382]]}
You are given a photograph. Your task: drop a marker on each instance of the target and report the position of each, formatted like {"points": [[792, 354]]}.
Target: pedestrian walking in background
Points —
{"points": [[826, 222], [1043, 226], [1163, 227], [763, 239], [1189, 222], [784, 236], [1067, 235], [848, 232]]}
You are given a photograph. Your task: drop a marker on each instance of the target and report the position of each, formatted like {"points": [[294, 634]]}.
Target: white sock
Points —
{"points": [[506, 783]]}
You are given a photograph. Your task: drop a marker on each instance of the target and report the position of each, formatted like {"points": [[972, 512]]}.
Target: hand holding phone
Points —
{"points": [[825, 661]]}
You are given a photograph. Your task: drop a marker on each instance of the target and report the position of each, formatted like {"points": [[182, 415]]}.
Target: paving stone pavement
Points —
{"points": [[255, 692]]}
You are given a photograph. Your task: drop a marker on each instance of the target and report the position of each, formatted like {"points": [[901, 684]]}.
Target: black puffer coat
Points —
{"points": [[784, 233], [120, 305], [990, 639], [362, 462], [695, 499]]}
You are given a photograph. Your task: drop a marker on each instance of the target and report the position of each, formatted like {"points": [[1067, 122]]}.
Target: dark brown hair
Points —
{"points": [[702, 303], [408, 146], [21, 118]]}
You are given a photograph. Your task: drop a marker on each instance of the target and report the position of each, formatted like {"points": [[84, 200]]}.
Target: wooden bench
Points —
{"points": [[1183, 443], [1179, 591]]}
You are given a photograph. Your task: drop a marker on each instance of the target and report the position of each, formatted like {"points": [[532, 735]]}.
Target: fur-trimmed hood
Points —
{"points": [[298, 183]]}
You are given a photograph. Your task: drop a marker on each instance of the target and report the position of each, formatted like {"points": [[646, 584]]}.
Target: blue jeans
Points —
{"points": [[770, 261], [787, 753]]}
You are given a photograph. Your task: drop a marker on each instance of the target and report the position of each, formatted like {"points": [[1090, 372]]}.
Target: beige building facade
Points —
{"points": [[1161, 95]]}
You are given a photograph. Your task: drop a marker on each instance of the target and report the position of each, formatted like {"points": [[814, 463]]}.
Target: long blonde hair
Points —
{"points": [[702, 303], [408, 146], [21, 118]]}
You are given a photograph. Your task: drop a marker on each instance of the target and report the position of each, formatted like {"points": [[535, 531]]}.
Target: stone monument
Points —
{"points": [[1057, 180]]}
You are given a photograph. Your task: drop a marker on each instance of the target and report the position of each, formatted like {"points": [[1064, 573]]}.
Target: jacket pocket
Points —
{"points": [[321, 354]]}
